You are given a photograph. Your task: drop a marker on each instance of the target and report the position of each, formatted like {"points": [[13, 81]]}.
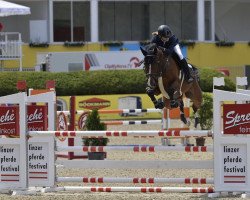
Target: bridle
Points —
{"points": [[148, 61]]}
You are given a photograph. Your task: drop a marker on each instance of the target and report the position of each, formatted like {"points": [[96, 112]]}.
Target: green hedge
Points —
{"points": [[94, 82]]}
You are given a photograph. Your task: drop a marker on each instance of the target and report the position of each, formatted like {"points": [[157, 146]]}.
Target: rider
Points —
{"points": [[169, 43], [165, 38]]}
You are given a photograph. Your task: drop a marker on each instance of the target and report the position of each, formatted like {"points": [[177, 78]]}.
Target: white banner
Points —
{"points": [[113, 60], [78, 61]]}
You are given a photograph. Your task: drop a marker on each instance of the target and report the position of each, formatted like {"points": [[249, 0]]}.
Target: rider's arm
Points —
{"points": [[173, 41]]}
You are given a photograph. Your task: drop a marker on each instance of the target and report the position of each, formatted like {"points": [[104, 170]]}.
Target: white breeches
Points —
{"points": [[177, 50]]}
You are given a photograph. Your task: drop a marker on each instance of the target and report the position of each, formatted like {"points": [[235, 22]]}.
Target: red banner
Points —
{"points": [[37, 118], [236, 118], [9, 121]]}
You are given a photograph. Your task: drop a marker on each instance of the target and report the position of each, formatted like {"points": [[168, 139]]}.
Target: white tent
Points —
{"points": [[8, 8]]}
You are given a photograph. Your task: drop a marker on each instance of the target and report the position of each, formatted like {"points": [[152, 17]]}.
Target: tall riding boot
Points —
{"points": [[186, 69]]}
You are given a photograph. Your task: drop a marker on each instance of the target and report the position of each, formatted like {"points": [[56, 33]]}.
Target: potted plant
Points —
{"points": [[205, 114], [93, 123], [224, 44], [113, 43], [74, 44], [39, 44]]}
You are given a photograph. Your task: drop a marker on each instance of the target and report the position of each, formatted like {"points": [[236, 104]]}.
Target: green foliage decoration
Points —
{"points": [[96, 82], [205, 113], [93, 123]]}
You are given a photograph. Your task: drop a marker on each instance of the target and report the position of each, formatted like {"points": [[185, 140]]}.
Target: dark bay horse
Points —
{"points": [[164, 75]]}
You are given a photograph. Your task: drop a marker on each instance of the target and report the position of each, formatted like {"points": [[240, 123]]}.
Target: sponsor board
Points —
{"points": [[112, 60], [9, 121], [37, 118], [102, 60], [61, 124], [82, 121], [236, 118], [111, 102], [94, 103]]}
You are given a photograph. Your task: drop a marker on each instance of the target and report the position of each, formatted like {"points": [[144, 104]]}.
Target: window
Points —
{"points": [[124, 21], [71, 21], [208, 20], [136, 20]]}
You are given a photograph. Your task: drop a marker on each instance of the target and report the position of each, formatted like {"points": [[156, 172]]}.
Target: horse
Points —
{"points": [[165, 76]]}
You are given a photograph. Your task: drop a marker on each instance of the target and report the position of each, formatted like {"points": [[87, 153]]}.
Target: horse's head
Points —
{"points": [[153, 61]]}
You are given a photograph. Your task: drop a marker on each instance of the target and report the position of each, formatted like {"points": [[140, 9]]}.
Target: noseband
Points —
{"points": [[149, 60]]}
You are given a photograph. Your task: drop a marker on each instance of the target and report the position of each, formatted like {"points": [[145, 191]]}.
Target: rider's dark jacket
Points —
{"points": [[169, 45]]}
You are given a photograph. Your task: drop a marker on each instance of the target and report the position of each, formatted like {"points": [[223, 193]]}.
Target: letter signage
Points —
{"points": [[236, 118], [9, 121], [37, 118]]}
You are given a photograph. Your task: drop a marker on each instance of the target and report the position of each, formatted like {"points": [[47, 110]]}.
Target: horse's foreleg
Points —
{"points": [[196, 116], [157, 104], [182, 114]]}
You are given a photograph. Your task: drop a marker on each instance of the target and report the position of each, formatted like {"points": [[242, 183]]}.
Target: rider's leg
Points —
{"points": [[183, 64], [186, 69]]}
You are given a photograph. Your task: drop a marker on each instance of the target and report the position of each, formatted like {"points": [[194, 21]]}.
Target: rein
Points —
{"points": [[159, 72]]}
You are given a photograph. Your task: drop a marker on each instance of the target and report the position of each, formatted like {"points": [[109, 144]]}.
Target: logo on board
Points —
{"points": [[37, 118], [94, 103], [9, 121], [82, 121], [236, 118]]}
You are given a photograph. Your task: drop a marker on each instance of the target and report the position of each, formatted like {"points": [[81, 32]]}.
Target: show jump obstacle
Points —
{"points": [[27, 156], [78, 123]]}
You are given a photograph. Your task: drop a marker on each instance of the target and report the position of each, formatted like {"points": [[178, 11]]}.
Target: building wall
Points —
{"points": [[209, 55], [202, 54]]}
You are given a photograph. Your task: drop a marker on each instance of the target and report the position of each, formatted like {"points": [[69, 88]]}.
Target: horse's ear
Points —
{"points": [[143, 50]]}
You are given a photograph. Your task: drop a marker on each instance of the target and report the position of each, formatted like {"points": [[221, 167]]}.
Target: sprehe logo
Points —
{"points": [[236, 118], [94, 103]]}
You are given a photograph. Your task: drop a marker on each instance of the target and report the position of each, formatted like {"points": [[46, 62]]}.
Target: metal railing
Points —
{"points": [[11, 47]]}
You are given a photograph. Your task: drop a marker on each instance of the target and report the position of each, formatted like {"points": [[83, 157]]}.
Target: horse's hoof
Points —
{"points": [[159, 105]]}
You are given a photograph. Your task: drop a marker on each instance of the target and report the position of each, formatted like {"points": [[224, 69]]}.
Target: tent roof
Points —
{"points": [[8, 8]]}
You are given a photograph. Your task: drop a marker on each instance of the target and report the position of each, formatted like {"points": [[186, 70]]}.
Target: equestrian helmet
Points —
{"points": [[164, 31]]}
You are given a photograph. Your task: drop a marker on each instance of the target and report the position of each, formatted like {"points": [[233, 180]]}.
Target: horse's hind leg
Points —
{"points": [[182, 114]]}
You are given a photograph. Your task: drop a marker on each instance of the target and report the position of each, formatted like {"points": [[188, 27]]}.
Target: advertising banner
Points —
{"points": [[101, 60], [9, 121], [113, 60], [111, 102], [236, 118], [37, 118]]}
